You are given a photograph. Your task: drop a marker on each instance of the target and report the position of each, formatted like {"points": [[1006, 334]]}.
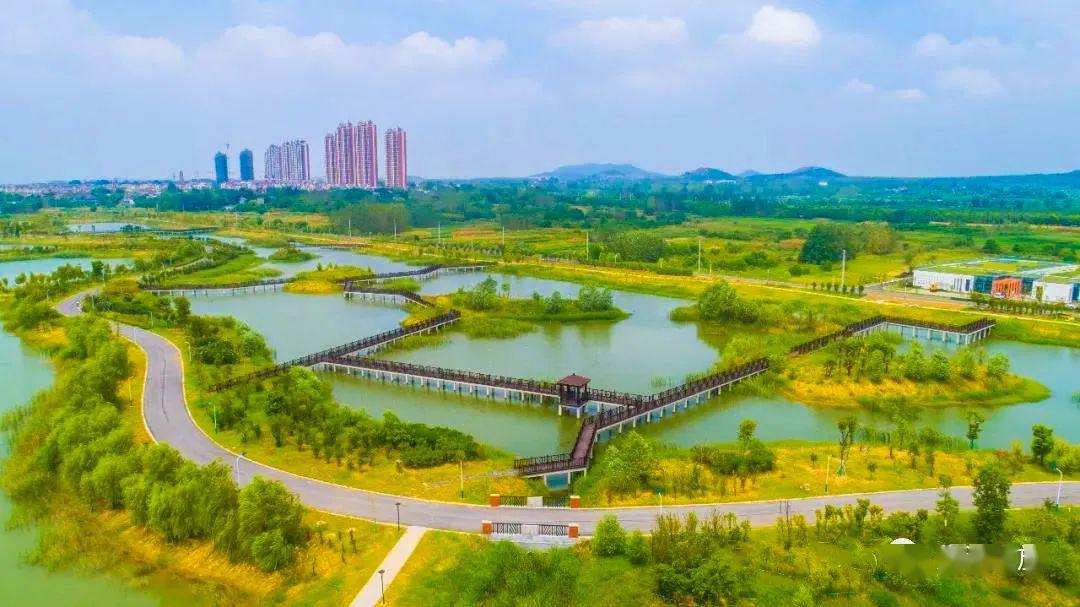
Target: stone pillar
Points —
{"points": [[572, 531], [575, 501], [485, 527], [494, 500]]}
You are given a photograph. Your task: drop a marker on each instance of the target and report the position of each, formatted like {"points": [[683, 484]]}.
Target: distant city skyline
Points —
{"points": [[894, 88]]}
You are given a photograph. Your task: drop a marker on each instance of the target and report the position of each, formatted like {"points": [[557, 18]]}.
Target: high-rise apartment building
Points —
{"points": [[295, 161], [247, 165], [272, 170], [221, 167], [289, 162], [396, 159], [352, 155]]}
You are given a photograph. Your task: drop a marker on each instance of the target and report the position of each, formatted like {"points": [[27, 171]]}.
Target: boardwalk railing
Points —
{"points": [[465, 377], [352, 289], [869, 323], [424, 271], [271, 282], [337, 352]]}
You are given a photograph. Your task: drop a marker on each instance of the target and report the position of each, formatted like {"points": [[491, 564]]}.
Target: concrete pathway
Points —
{"points": [[371, 594], [165, 411]]}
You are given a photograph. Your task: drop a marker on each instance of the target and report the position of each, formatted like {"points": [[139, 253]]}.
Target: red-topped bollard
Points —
{"points": [[494, 500], [573, 532], [485, 527], [575, 501]]}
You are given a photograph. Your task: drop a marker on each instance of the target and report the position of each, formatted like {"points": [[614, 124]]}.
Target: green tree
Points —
{"points": [[609, 538], [747, 427], [1042, 442], [991, 497], [847, 427], [974, 427], [826, 242], [940, 369], [998, 366], [637, 548]]}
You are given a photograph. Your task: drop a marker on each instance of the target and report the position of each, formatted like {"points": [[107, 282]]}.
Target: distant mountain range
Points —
{"points": [[627, 172]]}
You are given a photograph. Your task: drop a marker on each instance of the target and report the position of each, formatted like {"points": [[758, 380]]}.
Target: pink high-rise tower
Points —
{"points": [[397, 171]]}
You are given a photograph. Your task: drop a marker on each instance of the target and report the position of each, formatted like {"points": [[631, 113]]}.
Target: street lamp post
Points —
{"points": [[1061, 477], [398, 506], [238, 456], [382, 585]]}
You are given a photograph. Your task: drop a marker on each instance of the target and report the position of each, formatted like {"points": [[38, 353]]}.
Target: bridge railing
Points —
{"points": [[213, 287], [419, 271], [331, 354], [470, 377], [350, 288]]}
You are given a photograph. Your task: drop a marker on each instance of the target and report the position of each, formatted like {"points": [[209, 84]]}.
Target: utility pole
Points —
{"points": [[699, 255], [395, 228], [504, 237], [843, 268], [350, 227], [586, 245]]}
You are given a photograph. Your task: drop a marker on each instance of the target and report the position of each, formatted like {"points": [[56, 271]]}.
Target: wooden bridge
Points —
{"points": [[451, 380], [353, 291], [420, 273], [365, 345], [232, 288]]}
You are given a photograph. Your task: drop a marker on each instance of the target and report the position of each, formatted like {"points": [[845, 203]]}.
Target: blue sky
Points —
{"points": [[113, 88]]}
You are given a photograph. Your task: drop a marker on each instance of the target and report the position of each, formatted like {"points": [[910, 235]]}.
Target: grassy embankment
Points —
{"points": [[800, 472], [73, 536], [330, 279], [244, 268]]}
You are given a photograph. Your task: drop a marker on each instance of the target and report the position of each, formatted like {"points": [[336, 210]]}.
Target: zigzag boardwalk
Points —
{"points": [[614, 409]]}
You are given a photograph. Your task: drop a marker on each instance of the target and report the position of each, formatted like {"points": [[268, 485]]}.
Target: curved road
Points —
{"points": [[168, 420]]}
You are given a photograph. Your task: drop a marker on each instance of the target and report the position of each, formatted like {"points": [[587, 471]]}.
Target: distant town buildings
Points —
{"points": [[352, 155], [221, 167], [396, 159], [247, 165]]}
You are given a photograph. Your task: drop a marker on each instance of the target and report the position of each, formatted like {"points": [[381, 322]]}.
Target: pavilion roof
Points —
{"points": [[574, 380]]}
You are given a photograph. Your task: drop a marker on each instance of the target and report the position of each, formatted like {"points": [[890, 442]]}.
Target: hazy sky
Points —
{"points": [[116, 88]]}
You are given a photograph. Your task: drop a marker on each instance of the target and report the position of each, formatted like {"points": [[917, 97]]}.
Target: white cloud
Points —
{"points": [[937, 45], [424, 50], [145, 55], [618, 34], [783, 27], [911, 94], [970, 81], [56, 30], [276, 49], [859, 87]]}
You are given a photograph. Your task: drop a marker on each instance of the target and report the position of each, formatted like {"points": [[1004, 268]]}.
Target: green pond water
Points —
{"points": [[47, 265]]}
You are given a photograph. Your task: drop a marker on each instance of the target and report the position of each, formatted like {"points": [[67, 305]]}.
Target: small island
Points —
{"points": [[324, 279], [488, 310], [290, 254], [872, 372]]}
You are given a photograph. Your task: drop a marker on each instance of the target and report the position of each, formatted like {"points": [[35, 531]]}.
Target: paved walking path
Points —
{"points": [[371, 594], [167, 418]]}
